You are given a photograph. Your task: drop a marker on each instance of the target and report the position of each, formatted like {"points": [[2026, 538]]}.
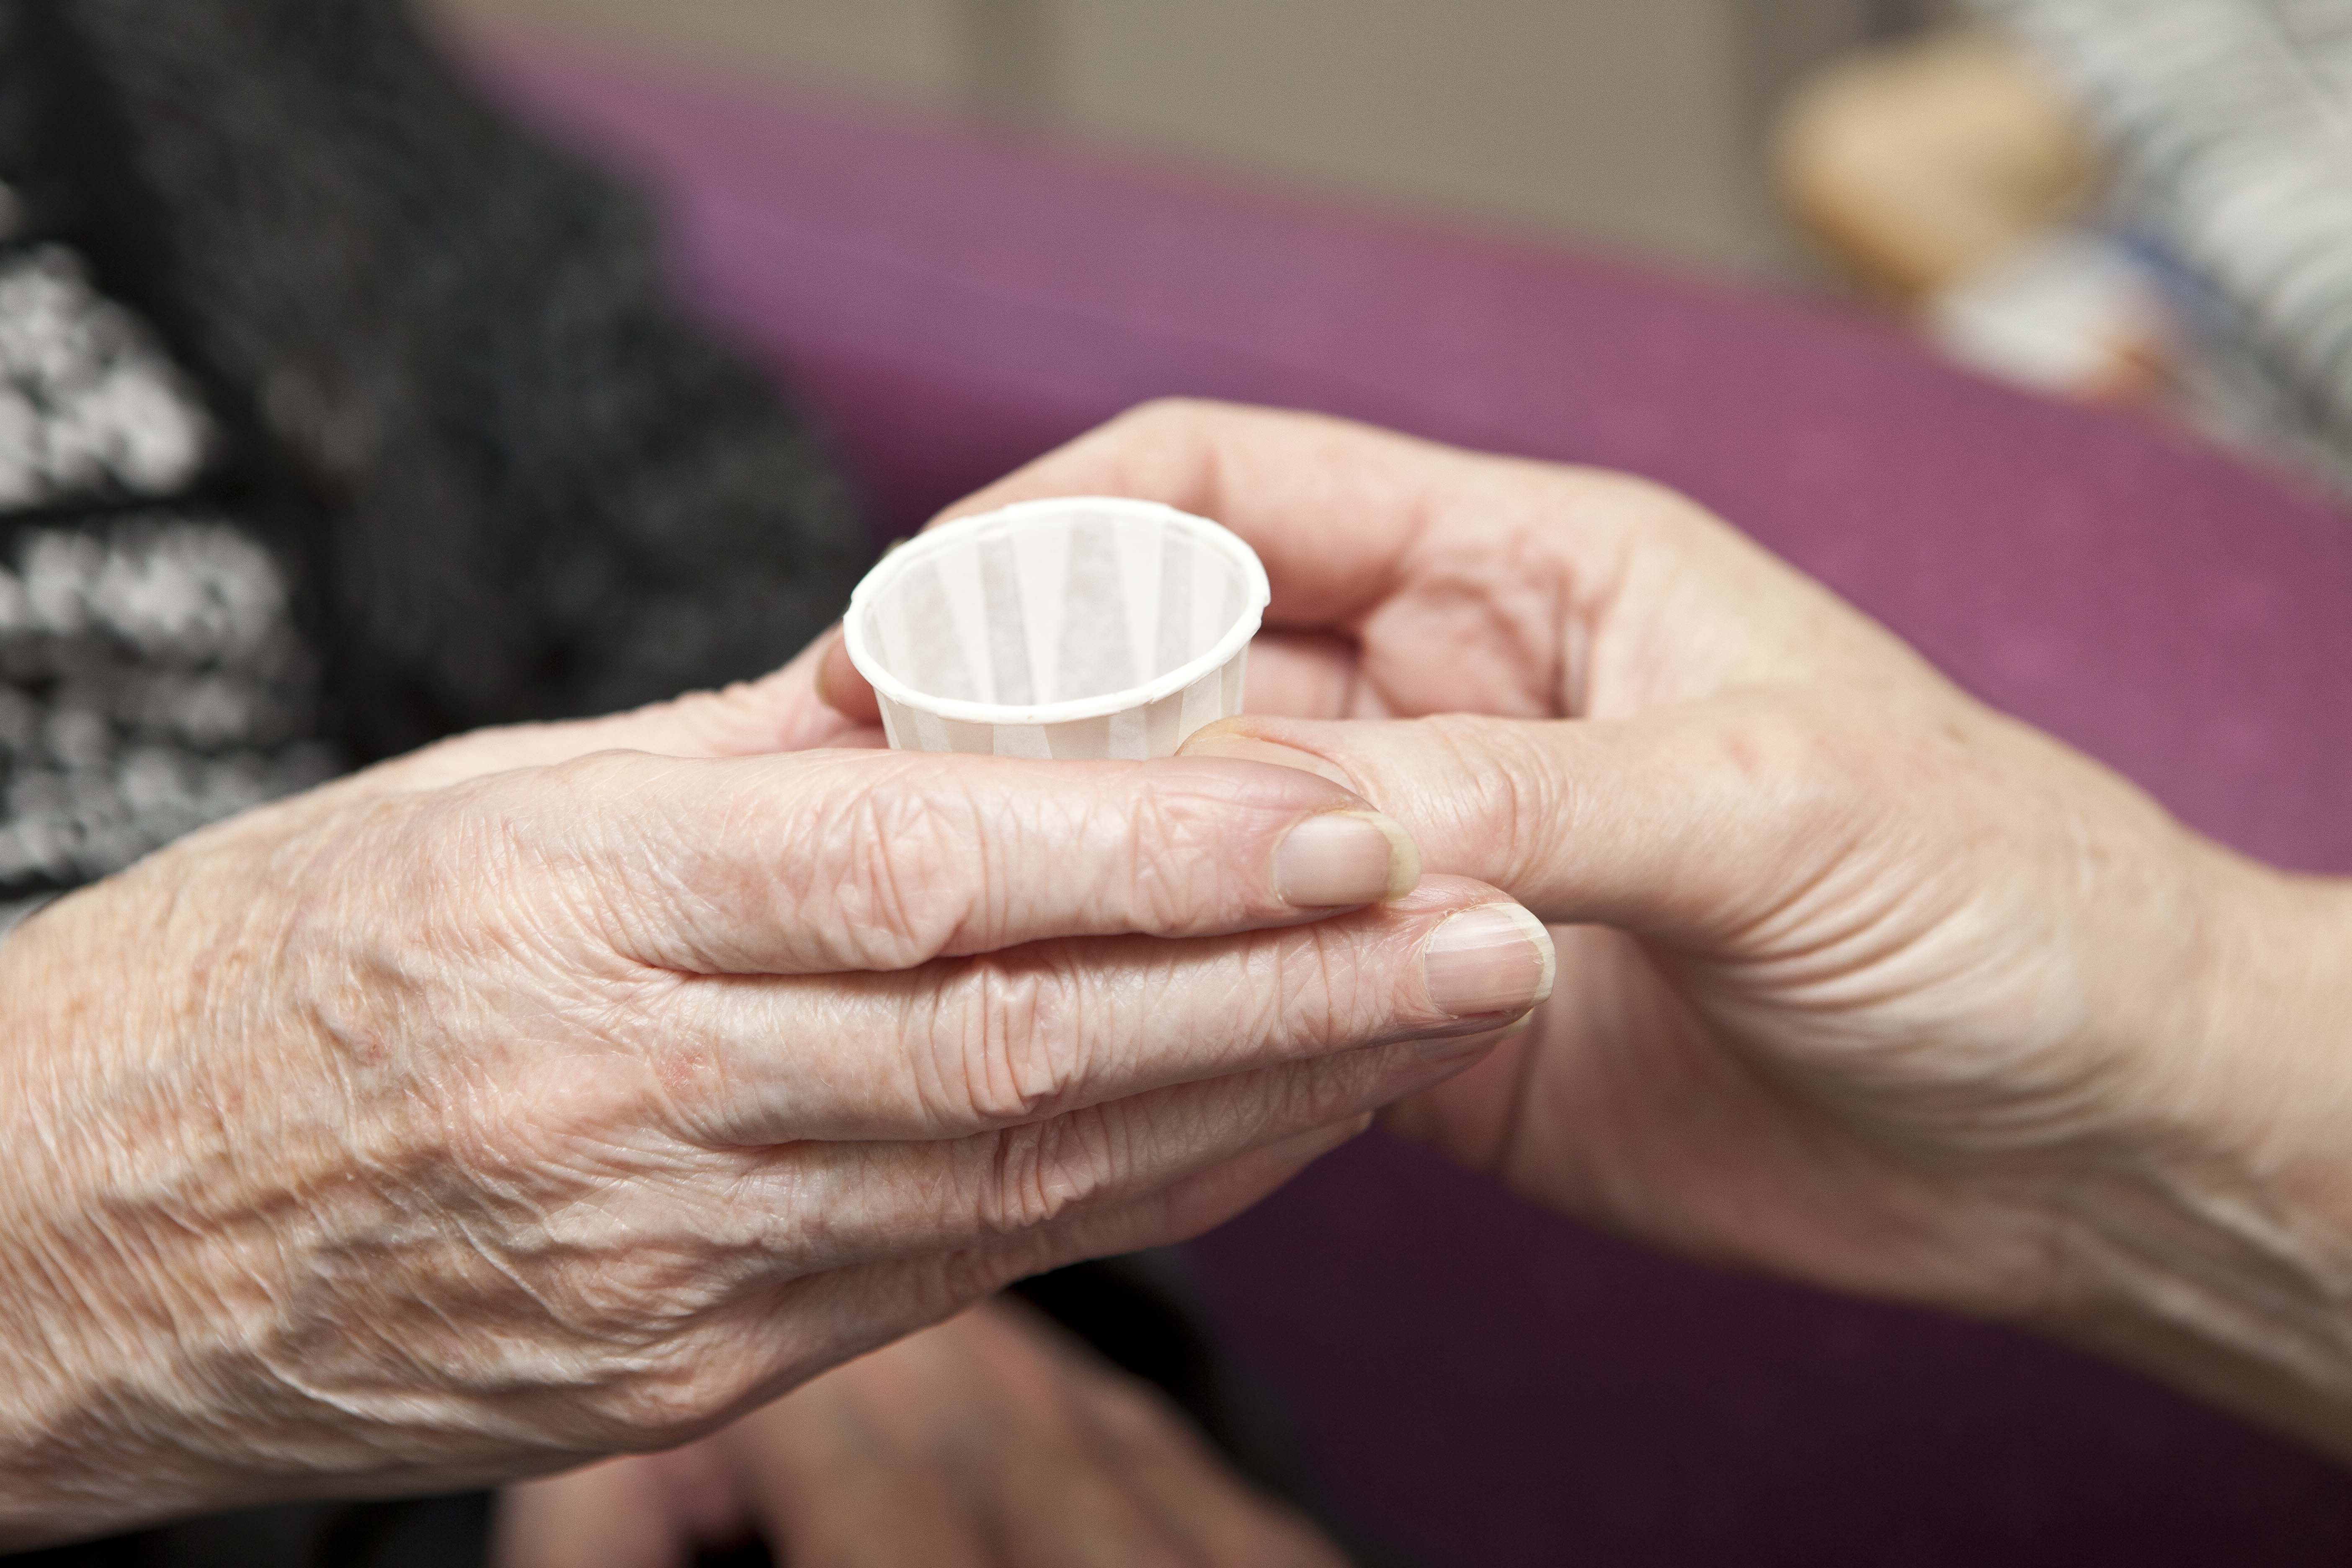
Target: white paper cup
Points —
{"points": [[1081, 628]]}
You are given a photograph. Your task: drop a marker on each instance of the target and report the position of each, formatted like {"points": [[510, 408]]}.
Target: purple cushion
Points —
{"points": [[1497, 1385]]}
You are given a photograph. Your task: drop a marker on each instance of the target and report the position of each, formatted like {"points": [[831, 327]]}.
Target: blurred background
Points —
{"points": [[1935, 160], [1636, 123]]}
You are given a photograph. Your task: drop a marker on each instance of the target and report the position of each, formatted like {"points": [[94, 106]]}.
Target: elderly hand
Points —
{"points": [[1860, 982], [994, 1439], [572, 1089]]}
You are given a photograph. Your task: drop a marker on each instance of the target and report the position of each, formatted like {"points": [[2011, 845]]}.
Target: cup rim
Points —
{"points": [[1257, 590]]}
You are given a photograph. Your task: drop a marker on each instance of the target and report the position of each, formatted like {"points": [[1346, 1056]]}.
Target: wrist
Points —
{"points": [[108, 1296], [43, 1296], [2211, 1242], [57, 1310]]}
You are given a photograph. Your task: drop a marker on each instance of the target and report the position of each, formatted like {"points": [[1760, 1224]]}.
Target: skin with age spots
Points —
{"points": [[572, 1089]]}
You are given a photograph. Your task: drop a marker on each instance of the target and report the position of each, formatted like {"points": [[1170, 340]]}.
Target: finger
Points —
{"points": [[1343, 515], [812, 1323], [1551, 588], [835, 861], [612, 1515], [787, 1321], [1311, 675], [1051, 1502], [841, 688], [1333, 508], [827, 1486], [1014, 1038], [1194, 1205], [1474, 1115], [816, 1207], [1224, 1521], [1051, 1489], [865, 1305], [779, 712], [1688, 826]]}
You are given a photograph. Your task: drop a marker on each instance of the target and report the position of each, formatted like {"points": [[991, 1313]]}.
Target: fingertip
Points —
{"points": [[839, 686], [1496, 961], [1345, 859], [1404, 864]]}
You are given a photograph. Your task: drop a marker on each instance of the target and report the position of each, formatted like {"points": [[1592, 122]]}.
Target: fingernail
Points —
{"points": [[1219, 742], [1493, 961], [1342, 858]]}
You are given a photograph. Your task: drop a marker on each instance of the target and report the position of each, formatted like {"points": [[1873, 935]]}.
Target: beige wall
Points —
{"points": [[909, 53], [1612, 118], [1634, 123]]}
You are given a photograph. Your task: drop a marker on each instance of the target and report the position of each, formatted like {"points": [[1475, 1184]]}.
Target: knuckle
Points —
{"points": [[1514, 795], [1319, 999], [955, 1279], [1316, 990], [1172, 862], [647, 1301], [669, 1400], [1045, 1172], [536, 852], [1160, 416], [1648, 501], [1178, 439], [1017, 1042], [908, 873], [461, 851]]}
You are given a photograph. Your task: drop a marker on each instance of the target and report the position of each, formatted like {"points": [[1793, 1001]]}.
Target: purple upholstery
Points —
{"points": [[1500, 1386]]}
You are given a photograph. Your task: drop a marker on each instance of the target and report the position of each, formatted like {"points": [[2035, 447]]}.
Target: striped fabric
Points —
{"points": [[2232, 125]]}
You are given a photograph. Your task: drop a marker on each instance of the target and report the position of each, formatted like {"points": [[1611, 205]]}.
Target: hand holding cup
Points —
{"points": [[566, 1090]]}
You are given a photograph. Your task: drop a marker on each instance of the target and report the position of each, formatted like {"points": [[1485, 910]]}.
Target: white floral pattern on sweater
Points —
{"points": [[152, 677]]}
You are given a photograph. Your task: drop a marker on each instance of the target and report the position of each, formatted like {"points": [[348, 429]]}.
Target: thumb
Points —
{"points": [[1689, 828]]}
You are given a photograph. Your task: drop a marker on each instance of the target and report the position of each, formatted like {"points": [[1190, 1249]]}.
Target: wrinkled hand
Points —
{"points": [[571, 1090], [992, 1439], [1860, 981]]}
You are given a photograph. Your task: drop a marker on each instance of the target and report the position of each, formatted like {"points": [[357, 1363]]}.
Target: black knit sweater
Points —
{"points": [[337, 414]]}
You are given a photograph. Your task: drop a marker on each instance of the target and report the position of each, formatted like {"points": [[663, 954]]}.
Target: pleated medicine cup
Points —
{"points": [[1082, 628]]}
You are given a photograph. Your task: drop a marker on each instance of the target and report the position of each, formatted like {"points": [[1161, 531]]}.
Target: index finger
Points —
{"points": [[1582, 576], [829, 862], [1333, 508]]}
